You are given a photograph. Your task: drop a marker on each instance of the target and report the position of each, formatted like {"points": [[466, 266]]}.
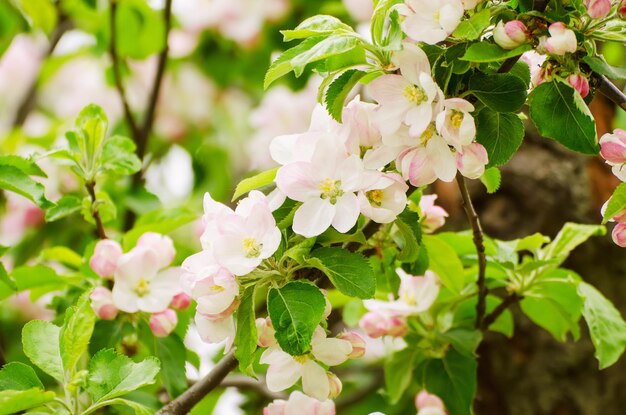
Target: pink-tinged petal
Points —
{"points": [[296, 181], [425, 400], [417, 168], [283, 148], [154, 302], [215, 331], [271, 242], [140, 262], [378, 158], [213, 208], [613, 147], [346, 212], [619, 234], [162, 245], [315, 381], [441, 159], [471, 160], [331, 352], [275, 199], [451, 15], [163, 323], [104, 260], [313, 217]]}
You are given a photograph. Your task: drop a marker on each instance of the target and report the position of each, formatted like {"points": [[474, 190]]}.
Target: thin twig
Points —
{"points": [[478, 238], [609, 90], [185, 402], [501, 308], [245, 383], [94, 210]]}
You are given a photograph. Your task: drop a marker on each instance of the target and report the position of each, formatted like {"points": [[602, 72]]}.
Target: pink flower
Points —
{"points": [[162, 245], [619, 234], [455, 124], [510, 35], [382, 323], [430, 21], [429, 404], [613, 150], [105, 257], [180, 301], [579, 83], [163, 323], [433, 216], [265, 332], [561, 41], [300, 404], [357, 342], [361, 130], [102, 304], [598, 9], [216, 294], [384, 198], [534, 61], [471, 160], [419, 293]]}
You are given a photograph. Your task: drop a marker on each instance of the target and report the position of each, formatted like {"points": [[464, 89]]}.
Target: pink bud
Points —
{"points": [[619, 234], [598, 9], [579, 83], [102, 304], [511, 34], [433, 216], [335, 385], [163, 323], [180, 301], [357, 342], [378, 324], [161, 244], [613, 147], [105, 256], [265, 332], [561, 41], [621, 9], [428, 400], [471, 160]]}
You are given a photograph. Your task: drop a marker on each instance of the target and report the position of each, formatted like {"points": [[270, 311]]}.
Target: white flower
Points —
{"points": [[300, 404], [384, 198], [455, 124], [430, 21]]}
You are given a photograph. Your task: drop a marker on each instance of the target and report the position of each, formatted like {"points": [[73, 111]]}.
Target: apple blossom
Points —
{"points": [[510, 35], [163, 323], [265, 332], [621, 9], [104, 259], [561, 41], [419, 293], [335, 385], [384, 198], [534, 61], [455, 124], [613, 150], [216, 330], [471, 160], [20, 215], [216, 294], [619, 234], [357, 342], [358, 119], [102, 303], [598, 9], [424, 400], [430, 21], [300, 404], [162, 245], [180, 301], [433, 216], [380, 323], [579, 83], [140, 285]]}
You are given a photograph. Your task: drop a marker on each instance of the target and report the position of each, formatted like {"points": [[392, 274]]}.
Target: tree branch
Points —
{"points": [[246, 383], [478, 238], [185, 402], [493, 316], [609, 90], [94, 211]]}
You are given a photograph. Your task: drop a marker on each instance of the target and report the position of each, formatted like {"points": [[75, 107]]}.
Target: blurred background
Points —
{"points": [[213, 124]]}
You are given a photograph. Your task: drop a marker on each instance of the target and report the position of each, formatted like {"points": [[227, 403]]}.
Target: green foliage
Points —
{"points": [[18, 377], [118, 156], [64, 207], [411, 234], [500, 92], [399, 368], [12, 401], [445, 263], [295, 310], [348, 271], [40, 340], [339, 89], [472, 28], [568, 238], [171, 351], [319, 25], [42, 14], [491, 178], [258, 180], [246, 333], [282, 65], [500, 133], [140, 30], [617, 203], [162, 221], [484, 52], [599, 65], [15, 180], [75, 333]]}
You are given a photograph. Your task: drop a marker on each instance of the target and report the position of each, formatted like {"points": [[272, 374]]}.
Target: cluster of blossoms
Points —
{"points": [[613, 150], [142, 281]]}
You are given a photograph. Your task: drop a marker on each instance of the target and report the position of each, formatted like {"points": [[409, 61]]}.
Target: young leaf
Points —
{"points": [[295, 310], [246, 333], [617, 203], [38, 278], [6, 278], [25, 165], [378, 19], [161, 221], [76, 332], [112, 375], [118, 156], [40, 341], [568, 238], [258, 180], [319, 25], [65, 206], [331, 46], [472, 28], [560, 113], [282, 65], [491, 178], [171, 352], [599, 65], [490, 52], [606, 325], [399, 368], [339, 89], [411, 232], [140, 30], [445, 263], [350, 272], [500, 92], [500, 133], [18, 376], [12, 401], [15, 180]]}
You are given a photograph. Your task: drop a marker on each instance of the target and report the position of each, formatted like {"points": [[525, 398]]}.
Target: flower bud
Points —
{"points": [[265, 332], [621, 9], [427, 400], [613, 147], [105, 256], [579, 83], [163, 323], [433, 216], [357, 342], [102, 303], [180, 301], [619, 234], [511, 34], [335, 385], [377, 324], [561, 40], [161, 244], [598, 9], [471, 160]]}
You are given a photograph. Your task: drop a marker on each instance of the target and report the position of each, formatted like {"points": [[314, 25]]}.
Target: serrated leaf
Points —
{"points": [[330, 46], [500, 92], [18, 376], [500, 133], [599, 65], [16, 181], [65, 206], [491, 178], [12, 401], [472, 28], [339, 89], [490, 52], [28, 166], [38, 278], [258, 180], [282, 65], [295, 310], [617, 203], [350, 272], [568, 238], [118, 156], [246, 333], [444, 261], [76, 332], [40, 341], [411, 232], [319, 25]]}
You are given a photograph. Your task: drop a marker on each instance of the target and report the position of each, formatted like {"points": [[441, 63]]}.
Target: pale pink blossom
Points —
{"points": [[580, 83], [598, 9], [382, 323], [213, 330], [163, 323], [360, 10], [511, 35], [430, 21], [613, 150], [433, 216], [561, 41], [102, 303], [429, 404], [181, 301], [300, 404], [384, 197], [362, 131], [471, 160], [357, 342], [162, 245], [619, 234], [534, 61], [335, 385], [265, 331], [216, 294], [455, 124]]}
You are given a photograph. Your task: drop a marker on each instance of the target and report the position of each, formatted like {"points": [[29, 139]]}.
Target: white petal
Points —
{"points": [[331, 352], [315, 381], [346, 213], [313, 217], [442, 160]]}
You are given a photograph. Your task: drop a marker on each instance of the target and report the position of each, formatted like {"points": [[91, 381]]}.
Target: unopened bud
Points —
{"points": [[335, 385], [357, 342], [510, 35], [102, 304], [105, 256], [180, 301], [163, 323]]}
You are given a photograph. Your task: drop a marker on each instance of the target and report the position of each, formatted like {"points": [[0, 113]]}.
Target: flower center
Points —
{"points": [[143, 287], [456, 118], [437, 16], [251, 247], [428, 133], [331, 190], [375, 197], [415, 94], [302, 359]]}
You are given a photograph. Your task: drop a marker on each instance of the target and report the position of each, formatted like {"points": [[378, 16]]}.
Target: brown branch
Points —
{"points": [[501, 308], [245, 383], [478, 238], [185, 402], [28, 102], [609, 90], [94, 210]]}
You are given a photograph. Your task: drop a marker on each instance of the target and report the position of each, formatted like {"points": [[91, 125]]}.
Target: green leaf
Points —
{"points": [[40, 340], [350, 272], [76, 332], [19, 377], [112, 375], [379, 17], [138, 408], [444, 261], [399, 368], [522, 71], [38, 278], [606, 325], [258, 180], [246, 333], [91, 127], [599, 65], [171, 352], [500, 92], [12, 401], [300, 251], [65, 206], [162, 221], [319, 25], [500, 133], [331, 46], [339, 89], [472, 28], [490, 52], [42, 14], [411, 233], [118, 156], [295, 310], [453, 379], [617, 203], [15, 180], [62, 254], [568, 238], [465, 341], [140, 30], [560, 113], [28, 166], [282, 65], [491, 178], [7, 279]]}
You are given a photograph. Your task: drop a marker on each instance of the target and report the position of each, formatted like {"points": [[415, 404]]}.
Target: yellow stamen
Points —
{"points": [[456, 118], [331, 190], [143, 287], [415, 94], [375, 197], [428, 133], [251, 247]]}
